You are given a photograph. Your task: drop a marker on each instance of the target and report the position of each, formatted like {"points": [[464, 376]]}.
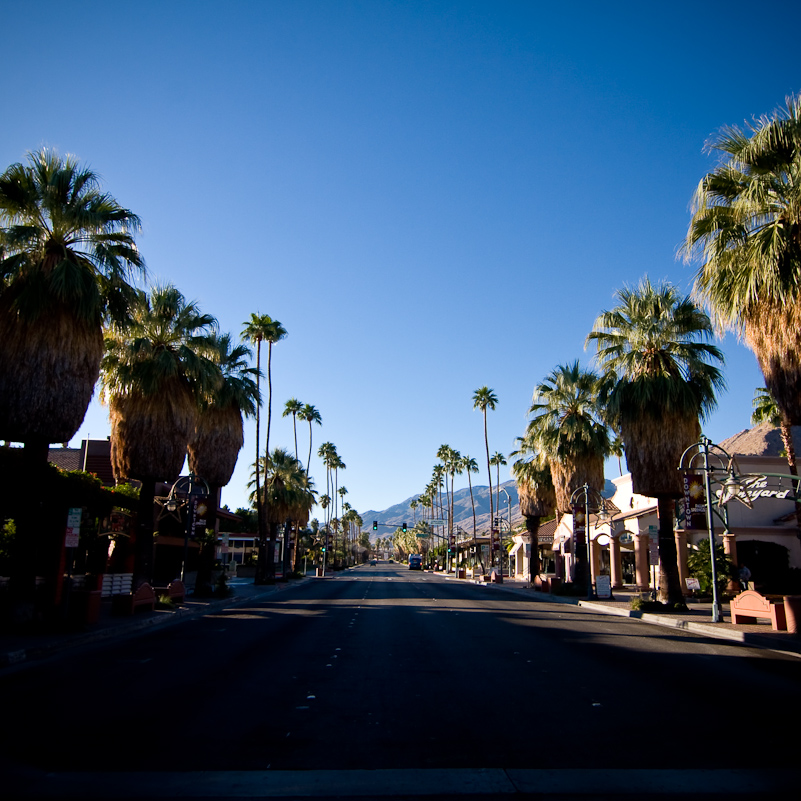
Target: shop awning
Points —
{"points": [[515, 549]]}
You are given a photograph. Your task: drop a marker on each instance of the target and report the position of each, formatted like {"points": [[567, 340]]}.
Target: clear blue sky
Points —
{"points": [[430, 196]]}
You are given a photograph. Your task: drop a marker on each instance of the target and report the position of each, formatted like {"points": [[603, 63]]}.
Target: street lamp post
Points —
{"points": [[602, 516], [706, 457], [509, 523], [195, 488]]}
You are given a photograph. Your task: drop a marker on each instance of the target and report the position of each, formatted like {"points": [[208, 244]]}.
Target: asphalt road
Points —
{"points": [[386, 669]]}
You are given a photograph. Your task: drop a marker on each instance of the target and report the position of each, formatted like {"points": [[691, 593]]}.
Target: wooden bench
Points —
{"points": [[127, 604], [175, 591], [750, 605]]}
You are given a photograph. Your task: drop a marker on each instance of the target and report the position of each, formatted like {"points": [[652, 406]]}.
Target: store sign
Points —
{"points": [[603, 586]]}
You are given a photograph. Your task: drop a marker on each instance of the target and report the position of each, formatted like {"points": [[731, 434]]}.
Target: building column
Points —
{"points": [[730, 549], [641, 567], [730, 546], [615, 563], [681, 558], [595, 554]]}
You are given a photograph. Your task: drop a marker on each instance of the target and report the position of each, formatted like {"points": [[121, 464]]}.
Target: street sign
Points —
{"points": [[73, 527], [437, 522]]}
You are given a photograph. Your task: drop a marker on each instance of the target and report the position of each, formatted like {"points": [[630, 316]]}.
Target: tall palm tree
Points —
{"points": [[568, 429], [746, 233], [256, 331], [67, 253], [660, 377], [214, 447], [310, 414], [293, 406], [498, 459], [484, 398], [157, 368], [469, 466], [275, 332]]}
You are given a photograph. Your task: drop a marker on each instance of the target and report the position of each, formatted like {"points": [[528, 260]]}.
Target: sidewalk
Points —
{"points": [[21, 648], [698, 618]]}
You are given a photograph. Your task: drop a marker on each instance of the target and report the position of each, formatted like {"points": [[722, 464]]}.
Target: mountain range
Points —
{"points": [[389, 519], [392, 517]]}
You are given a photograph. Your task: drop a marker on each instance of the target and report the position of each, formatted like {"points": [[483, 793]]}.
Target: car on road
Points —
{"points": [[373, 563], [415, 561]]}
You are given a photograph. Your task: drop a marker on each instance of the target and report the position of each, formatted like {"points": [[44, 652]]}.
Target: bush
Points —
{"points": [[700, 567], [644, 605]]}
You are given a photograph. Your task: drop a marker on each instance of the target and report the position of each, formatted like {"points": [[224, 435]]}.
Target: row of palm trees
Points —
{"points": [[658, 373], [70, 314], [451, 464]]}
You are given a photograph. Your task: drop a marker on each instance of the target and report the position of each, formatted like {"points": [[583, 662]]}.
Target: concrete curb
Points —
{"points": [[790, 648], [17, 658]]}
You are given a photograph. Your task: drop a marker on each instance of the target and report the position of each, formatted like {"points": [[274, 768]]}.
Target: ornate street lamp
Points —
{"points": [[187, 491], [711, 460], [602, 516]]}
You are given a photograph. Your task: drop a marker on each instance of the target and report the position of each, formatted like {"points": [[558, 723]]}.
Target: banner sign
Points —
{"points": [[694, 502], [579, 524], [197, 514]]}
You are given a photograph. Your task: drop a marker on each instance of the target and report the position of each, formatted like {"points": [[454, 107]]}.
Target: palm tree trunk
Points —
{"points": [[143, 547], [533, 527], [261, 527], [489, 476], [789, 449], [669, 580], [308, 461]]}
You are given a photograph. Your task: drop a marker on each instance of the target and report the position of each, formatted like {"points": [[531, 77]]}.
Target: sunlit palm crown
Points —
{"points": [[746, 234], [288, 490], [568, 429], [67, 254], [653, 357], [157, 370], [658, 379]]}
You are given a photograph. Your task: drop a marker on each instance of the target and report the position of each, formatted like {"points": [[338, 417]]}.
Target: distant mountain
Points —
{"points": [[400, 513]]}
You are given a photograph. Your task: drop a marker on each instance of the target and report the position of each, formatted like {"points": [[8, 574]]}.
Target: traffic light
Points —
{"points": [[375, 525], [403, 528]]}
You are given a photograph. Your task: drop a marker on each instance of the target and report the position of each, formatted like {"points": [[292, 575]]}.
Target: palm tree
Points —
{"points": [[659, 378], [567, 428], [274, 332], [484, 398], [310, 415], [469, 466], [256, 331], [67, 252], [293, 407], [498, 459], [214, 447], [286, 489], [156, 371], [745, 232], [535, 491]]}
